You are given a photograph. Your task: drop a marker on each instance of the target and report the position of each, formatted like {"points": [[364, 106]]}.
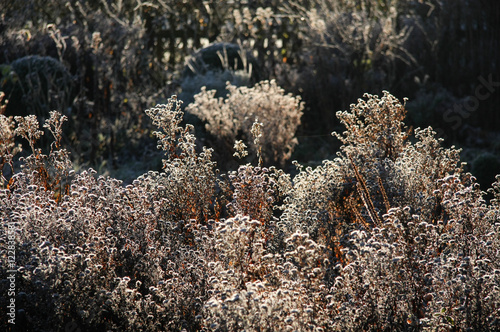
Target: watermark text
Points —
{"points": [[456, 115], [11, 273]]}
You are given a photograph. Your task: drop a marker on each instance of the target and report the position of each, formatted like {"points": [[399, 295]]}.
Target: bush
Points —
{"points": [[233, 118], [97, 254], [392, 234], [36, 85]]}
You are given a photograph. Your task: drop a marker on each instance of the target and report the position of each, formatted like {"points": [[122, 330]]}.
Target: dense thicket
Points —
{"points": [[390, 235], [216, 226]]}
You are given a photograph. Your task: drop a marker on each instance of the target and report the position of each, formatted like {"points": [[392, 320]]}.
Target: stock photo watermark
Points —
{"points": [[11, 273], [456, 115]]}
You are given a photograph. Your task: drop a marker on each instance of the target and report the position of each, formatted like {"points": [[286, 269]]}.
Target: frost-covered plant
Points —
{"points": [[376, 239], [376, 143], [255, 191], [99, 255], [417, 273], [406, 229], [495, 190], [213, 80], [253, 288], [188, 181], [376, 168], [8, 146], [232, 118], [364, 34], [48, 171]]}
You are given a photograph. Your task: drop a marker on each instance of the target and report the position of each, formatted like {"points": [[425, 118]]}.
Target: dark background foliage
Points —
{"points": [[125, 56]]}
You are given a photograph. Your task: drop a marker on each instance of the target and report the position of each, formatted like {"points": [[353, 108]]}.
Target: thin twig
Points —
{"points": [[365, 195], [384, 195]]}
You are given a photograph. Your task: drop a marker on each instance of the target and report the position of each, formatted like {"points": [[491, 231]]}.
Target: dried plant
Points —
{"points": [[392, 234], [233, 117], [8, 146]]}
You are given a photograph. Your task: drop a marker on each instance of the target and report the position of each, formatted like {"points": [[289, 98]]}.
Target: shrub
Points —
{"points": [[255, 288], [394, 215], [233, 117], [391, 234], [36, 85], [97, 254]]}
